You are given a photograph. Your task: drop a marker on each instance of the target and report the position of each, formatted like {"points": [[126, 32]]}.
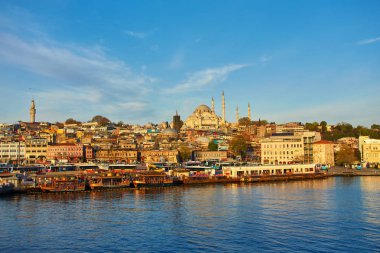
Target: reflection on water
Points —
{"points": [[335, 214]]}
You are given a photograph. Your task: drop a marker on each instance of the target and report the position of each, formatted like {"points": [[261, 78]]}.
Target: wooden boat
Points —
{"points": [[109, 180], [64, 183], [152, 179]]}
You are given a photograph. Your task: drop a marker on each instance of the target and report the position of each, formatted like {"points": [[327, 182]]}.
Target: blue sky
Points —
{"points": [[140, 61]]}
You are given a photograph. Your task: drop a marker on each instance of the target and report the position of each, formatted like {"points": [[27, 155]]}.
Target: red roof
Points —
{"points": [[323, 142]]}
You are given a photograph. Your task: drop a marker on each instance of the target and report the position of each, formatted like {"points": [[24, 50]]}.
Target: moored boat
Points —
{"points": [[109, 180], [65, 183], [152, 179]]}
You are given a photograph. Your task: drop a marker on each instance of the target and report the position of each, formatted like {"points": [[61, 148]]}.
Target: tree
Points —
{"points": [[72, 121], [375, 127], [100, 120], [212, 146], [245, 121], [238, 145], [184, 153], [345, 155], [312, 126], [323, 125]]}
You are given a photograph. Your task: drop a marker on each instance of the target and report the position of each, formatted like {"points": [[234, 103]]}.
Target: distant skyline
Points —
{"points": [[140, 61]]}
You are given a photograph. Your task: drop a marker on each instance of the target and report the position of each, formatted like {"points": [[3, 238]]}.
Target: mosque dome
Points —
{"points": [[202, 108], [169, 132]]}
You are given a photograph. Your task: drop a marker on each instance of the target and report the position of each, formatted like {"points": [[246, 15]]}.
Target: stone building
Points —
{"points": [[323, 152]]}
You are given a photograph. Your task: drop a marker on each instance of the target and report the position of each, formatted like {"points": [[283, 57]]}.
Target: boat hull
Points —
{"points": [[141, 184]]}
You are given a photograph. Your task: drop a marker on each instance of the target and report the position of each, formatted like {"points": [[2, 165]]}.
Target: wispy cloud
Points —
{"points": [[369, 41], [138, 35], [74, 65], [177, 61], [75, 76], [201, 79]]}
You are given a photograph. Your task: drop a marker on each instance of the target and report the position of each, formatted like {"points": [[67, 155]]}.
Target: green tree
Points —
{"points": [[100, 120], [312, 126], [72, 121], [245, 121], [212, 146], [238, 145], [184, 153], [345, 155], [375, 127], [323, 125]]}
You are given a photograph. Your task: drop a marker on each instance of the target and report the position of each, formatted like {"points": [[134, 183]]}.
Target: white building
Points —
{"points": [[12, 151]]}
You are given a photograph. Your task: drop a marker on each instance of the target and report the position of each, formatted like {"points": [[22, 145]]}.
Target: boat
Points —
{"points": [[152, 179], [109, 180], [9, 183], [63, 183]]}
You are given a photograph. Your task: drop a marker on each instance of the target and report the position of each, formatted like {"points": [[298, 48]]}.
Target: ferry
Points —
{"points": [[108, 181], [62, 183], [152, 179], [261, 173]]}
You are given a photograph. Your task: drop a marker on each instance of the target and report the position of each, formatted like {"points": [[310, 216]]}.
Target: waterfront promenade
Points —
{"points": [[342, 171]]}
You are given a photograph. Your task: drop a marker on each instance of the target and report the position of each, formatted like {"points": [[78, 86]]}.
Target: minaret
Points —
{"points": [[237, 114], [249, 111], [212, 105], [223, 109], [32, 112]]}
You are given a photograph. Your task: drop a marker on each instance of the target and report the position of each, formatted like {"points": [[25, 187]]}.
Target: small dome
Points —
{"points": [[203, 108], [170, 132]]}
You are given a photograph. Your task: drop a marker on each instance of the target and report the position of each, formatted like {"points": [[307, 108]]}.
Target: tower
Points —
{"points": [[32, 112], [223, 108], [237, 114], [249, 111], [177, 123], [212, 105]]}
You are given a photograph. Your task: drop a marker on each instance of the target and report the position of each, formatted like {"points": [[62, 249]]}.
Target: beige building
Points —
{"points": [[369, 149], [117, 155], [199, 155], [284, 150], [323, 152], [159, 156], [288, 148], [36, 150]]}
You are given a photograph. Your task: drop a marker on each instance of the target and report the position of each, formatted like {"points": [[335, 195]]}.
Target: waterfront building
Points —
{"points": [[369, 149], [65, 152], [159, 156], [323, 152], [286, 148], [117, 155], [35, 149], [203, 156], [12, 152]]}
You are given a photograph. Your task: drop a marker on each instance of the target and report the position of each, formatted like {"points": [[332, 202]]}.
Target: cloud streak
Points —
{"points": [[137, 35], [369, 41], [199, 80], [73, 65]]}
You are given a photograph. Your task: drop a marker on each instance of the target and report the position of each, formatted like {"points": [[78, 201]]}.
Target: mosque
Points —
{"points": [[205, 118]]}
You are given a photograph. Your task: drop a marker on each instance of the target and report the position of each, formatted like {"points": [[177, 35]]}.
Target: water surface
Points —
{"points": [[330, 215]]}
